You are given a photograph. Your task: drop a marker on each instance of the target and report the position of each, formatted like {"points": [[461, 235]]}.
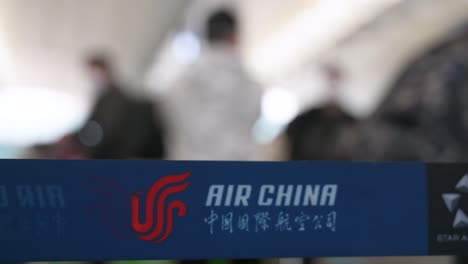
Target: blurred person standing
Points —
{"points": [[119, 126], [425, 115], [213, 106], [326, 132], [424, 118]]}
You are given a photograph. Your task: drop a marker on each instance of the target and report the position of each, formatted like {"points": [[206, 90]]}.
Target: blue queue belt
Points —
{"points": [[141, 210]]}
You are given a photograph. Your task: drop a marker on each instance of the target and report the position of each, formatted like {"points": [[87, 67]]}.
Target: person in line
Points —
{"points": [[326, 132], [424, 118], [119, 127], [213, 106]]}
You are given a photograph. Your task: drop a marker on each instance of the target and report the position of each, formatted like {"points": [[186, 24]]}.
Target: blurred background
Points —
{"points": [[340, 80]]}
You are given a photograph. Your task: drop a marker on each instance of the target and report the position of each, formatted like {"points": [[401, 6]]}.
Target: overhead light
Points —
{"points": [[186, 47], [32, 115], [178, 52], [279, 105]]}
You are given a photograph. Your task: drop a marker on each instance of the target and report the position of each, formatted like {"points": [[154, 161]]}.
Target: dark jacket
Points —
{"points": [[425, 115], [121, 127], [322, 134]]}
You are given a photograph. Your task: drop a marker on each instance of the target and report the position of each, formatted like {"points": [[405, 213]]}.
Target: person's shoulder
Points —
{"points": [[308, 114], [308, 117]]}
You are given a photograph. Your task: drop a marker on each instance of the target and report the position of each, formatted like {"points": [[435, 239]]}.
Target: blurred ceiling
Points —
{"points": [[47, 40], [281, 36], [43, 43], [42, 47], [373, 57], [288, 43]]}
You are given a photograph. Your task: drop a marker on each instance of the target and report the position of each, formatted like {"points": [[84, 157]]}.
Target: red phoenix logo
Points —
{"points": [[159, 193]]}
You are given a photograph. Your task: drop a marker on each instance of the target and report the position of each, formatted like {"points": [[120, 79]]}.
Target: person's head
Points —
{"points": [[221, 28], [100, 69]]}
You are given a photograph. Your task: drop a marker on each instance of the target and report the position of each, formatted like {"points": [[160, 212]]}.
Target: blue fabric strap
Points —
{"points": [[142, 210]]}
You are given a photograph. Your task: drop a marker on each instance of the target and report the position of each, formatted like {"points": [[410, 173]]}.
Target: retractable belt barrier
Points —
{"points": [[135, 210]]}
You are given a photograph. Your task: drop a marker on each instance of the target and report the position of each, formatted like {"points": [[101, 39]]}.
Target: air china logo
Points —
{"points": [[158, 213], [452, 201]]}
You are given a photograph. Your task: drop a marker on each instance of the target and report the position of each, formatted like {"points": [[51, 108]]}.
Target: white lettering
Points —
{"points": [[262, 201], [329, 194], [311, 196], [297, 198], [215, 192], [284, 195], [243, 195], [269, 195], [230, 190]]}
